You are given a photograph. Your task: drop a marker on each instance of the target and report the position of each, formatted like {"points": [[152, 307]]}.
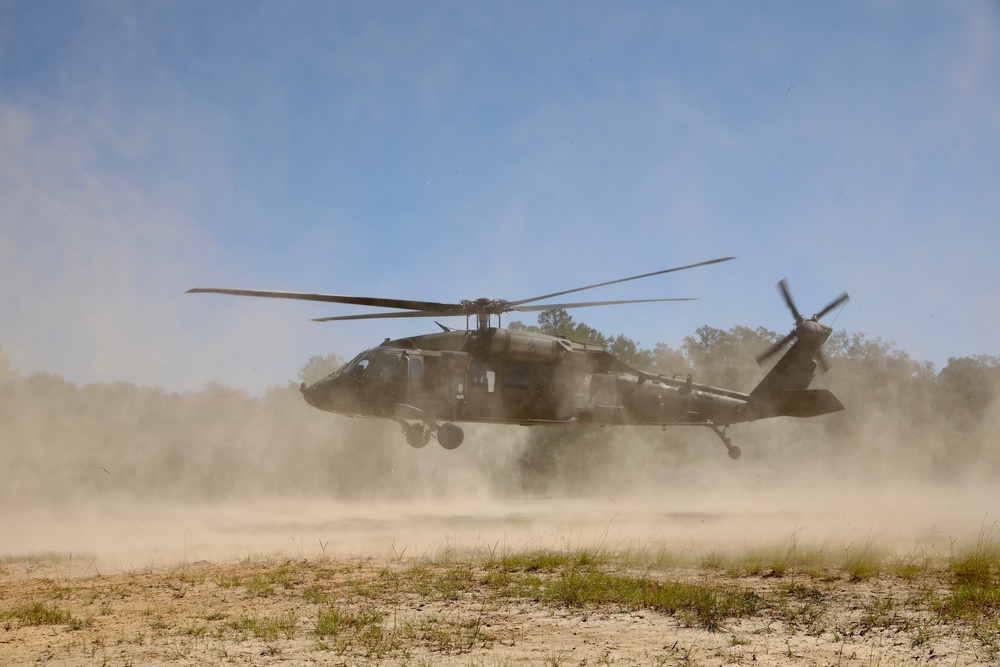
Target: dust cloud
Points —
{"points": [[118, 477]]}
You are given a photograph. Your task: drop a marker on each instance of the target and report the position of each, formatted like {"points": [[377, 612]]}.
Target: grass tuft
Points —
{"points": [[701, 605], [39, 613]]}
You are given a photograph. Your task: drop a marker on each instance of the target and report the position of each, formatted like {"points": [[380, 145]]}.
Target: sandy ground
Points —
{"points": [[166, 584]]}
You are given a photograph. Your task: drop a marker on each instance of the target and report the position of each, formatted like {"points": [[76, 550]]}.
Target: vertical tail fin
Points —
{"points": [[784, 390]]}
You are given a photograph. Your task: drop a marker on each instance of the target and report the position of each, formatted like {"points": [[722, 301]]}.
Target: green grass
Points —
{"points": [[336, 620], [39, 613], [975, 591], [267, 628], [546, 561], [448, 633], [345, 630], [702, 605], [315, 595]]}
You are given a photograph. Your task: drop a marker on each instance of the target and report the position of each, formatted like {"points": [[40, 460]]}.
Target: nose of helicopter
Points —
{"points": [[331, 394]]}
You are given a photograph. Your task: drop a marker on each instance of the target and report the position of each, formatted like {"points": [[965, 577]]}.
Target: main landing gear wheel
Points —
{"points": [[450, 435], [734, 451], [417, 435]]}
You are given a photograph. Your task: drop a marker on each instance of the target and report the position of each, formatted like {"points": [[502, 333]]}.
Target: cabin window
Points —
{"points": [[482, 377], [516, 375]]}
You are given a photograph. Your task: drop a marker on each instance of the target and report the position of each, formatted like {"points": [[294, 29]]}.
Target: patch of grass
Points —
{"points": [[267, 628], [706, 606], [715, 559], [335, 620], [194, 630], [39, 613], [771, 559], [798, 604], [58, 592], [349, 630], [448, 582], [284, 576], [975, 592], [454, 582], [541, 560], [862, 561], [448, 635], [259, 587], [264, 583], [315, 595], [912, 567], [880, 614], [862, 570]]}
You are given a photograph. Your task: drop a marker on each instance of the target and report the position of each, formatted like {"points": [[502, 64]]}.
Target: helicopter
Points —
{"points": [[430, 384]]}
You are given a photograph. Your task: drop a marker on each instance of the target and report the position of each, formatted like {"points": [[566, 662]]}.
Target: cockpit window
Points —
{"points": [[357, 365], [385, 367]]}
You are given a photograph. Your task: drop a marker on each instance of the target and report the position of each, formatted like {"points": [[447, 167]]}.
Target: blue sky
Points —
{"points": [[444, 151]]}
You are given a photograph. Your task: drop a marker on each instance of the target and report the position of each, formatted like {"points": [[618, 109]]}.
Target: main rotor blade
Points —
{"points": [[788, 300], [621, 280], [585, 304], [385, 316], [843, 298], [437, 308]]}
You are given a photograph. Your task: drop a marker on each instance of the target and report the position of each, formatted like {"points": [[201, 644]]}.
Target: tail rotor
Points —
{"points": [[804, 328]]}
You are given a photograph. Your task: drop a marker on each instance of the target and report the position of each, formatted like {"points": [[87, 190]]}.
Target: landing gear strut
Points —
{"points": [[734, 451]]}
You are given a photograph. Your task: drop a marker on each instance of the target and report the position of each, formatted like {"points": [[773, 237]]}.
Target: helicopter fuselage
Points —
{"points": [[502, 376]]}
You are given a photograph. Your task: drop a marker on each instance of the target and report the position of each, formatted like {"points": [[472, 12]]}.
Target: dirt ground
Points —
{"points": [[302, 582], [405, 612]]}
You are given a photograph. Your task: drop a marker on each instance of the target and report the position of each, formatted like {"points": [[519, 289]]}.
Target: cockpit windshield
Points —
{"points": [[357, 365]]}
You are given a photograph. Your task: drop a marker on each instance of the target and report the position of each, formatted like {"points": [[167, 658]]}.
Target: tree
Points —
{"points": [[967, 385], [727, 358], [558, 322], [318, 367], [668, 361]]}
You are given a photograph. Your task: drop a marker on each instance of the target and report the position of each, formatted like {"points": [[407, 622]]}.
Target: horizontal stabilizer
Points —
{"points": [[797, 403]]}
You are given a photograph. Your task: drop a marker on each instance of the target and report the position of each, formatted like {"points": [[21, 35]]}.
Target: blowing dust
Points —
{"points": [[116, 477]]}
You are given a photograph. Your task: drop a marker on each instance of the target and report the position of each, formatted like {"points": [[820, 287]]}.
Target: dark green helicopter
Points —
{"points": [[429, 384]]}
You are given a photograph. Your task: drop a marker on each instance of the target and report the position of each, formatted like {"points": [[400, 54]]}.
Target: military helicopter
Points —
{"points": [[431, 383]]}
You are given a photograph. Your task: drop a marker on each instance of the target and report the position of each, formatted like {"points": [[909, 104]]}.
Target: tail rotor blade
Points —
{"points": [[836, 303], [821, 363], [788, 300], [774, 349]]}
